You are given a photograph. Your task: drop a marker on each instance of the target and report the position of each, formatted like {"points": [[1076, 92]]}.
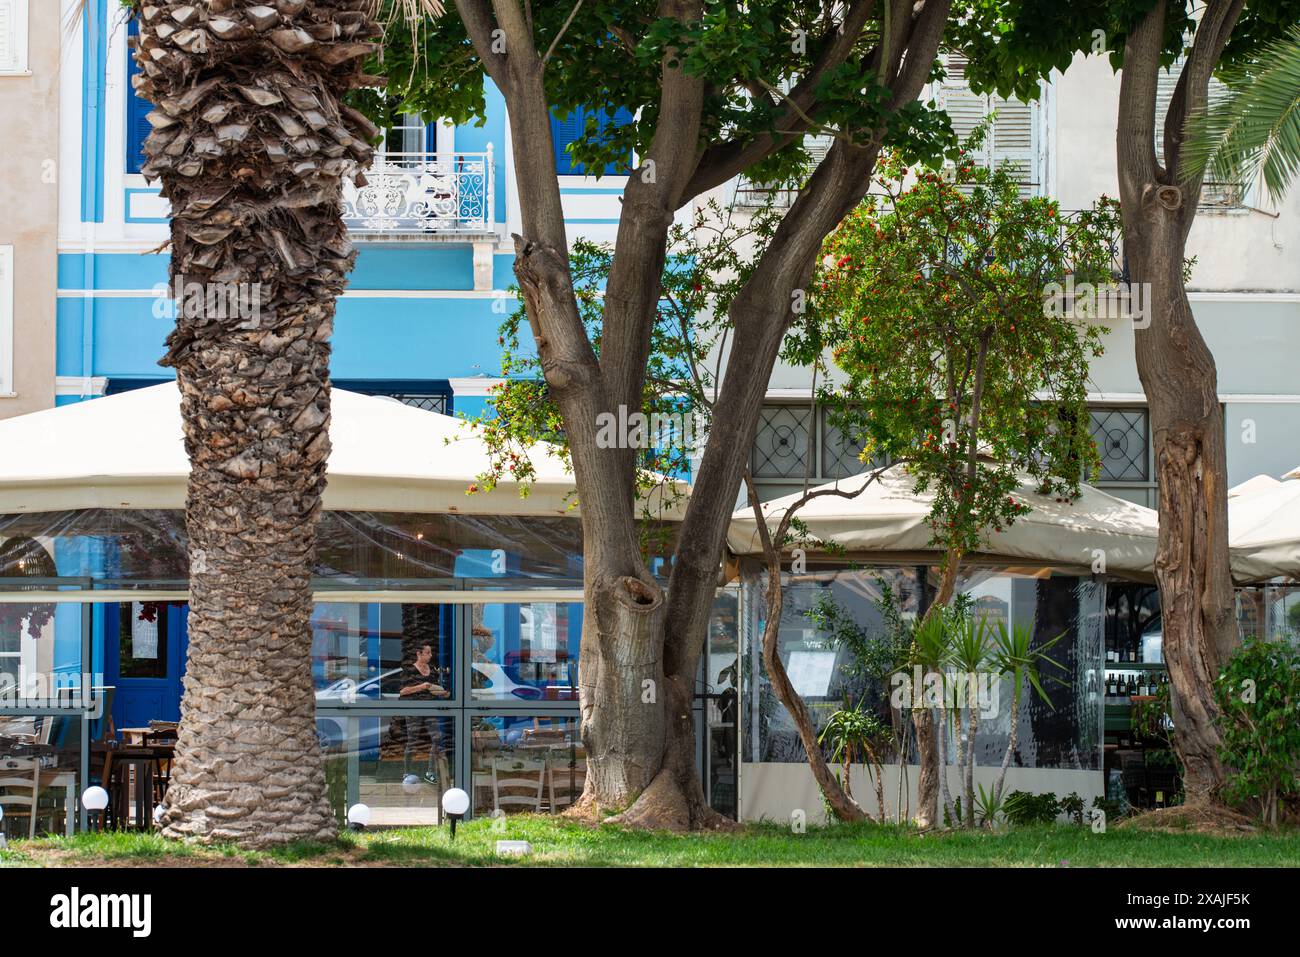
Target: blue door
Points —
{"points": [[144, 659]]}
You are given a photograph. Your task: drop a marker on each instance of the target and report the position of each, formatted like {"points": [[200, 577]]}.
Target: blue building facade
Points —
{"points": [[420, 317]]}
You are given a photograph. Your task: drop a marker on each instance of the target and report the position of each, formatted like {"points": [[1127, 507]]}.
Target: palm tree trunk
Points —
{"points": [[251, 143]]}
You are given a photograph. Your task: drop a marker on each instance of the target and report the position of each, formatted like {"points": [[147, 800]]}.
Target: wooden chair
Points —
{"points": [[565, 781], [20, 774], [162, 773], [21, 789], [518, 783]]}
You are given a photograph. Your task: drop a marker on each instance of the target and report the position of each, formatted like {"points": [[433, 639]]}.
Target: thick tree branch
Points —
{"points": [[725, 160]]}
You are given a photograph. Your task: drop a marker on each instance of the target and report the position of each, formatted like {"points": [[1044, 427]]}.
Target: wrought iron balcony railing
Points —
{"points": [[424, 194]]}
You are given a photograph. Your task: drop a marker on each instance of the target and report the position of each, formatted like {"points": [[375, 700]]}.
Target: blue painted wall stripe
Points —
{"points": [[94, 53]]}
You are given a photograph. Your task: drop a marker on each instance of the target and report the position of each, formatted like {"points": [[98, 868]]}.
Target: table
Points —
{"points": [[135, 736], [140, 762]]}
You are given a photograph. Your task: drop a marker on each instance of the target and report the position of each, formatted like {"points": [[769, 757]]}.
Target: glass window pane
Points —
{"points": [[40, 766], [373, 651], [525, 652], [398, 765], [142, 639], [525, 763]]}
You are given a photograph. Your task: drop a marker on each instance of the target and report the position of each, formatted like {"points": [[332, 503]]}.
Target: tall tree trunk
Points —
{"points": [[927, 746], [664, 651], [251, 142], [1179, 378]]}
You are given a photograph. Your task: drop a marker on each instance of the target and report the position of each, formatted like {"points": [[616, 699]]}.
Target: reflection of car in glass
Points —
{"points": [[495, 682], [332, 733], [346, 690]]}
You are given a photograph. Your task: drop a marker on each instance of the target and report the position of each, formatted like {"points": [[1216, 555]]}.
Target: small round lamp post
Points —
{"points": [[358, 817], [454, 804], [94, 799]]}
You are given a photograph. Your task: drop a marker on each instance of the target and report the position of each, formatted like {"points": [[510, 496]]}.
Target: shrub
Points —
{"points": [[1258, 693]]}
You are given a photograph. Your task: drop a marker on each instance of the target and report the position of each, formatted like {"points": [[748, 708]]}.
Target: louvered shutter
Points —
{"points": [[1014, 142], [8, 36], [1212, 194], [13, 36], [563, 132], [6, 319], [1011, 140], [137, 109]]}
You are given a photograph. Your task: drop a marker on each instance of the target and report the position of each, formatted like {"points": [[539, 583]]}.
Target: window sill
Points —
{"points": [[4, 73]]}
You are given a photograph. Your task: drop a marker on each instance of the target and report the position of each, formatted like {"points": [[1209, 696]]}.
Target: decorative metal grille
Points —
{"points": [[1122, 442], [423, 193], [841, 453], [782, 444]]}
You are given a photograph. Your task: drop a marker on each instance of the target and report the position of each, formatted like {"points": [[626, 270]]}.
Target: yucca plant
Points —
{"points": [[1013, 654], [1252, 130], [970, 645], [855, 733]]}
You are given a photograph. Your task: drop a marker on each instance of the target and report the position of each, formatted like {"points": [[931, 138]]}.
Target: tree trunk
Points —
{"points": [[927, 748], [1179, 378], [251, 143], [584, 387], [1011, 746], [945, 792]]}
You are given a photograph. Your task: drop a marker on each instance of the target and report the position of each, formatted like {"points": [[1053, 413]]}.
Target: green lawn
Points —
{"points": [[563, 843]]}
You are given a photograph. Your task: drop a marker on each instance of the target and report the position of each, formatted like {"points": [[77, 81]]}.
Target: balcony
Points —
{"points": [[424, 196]]}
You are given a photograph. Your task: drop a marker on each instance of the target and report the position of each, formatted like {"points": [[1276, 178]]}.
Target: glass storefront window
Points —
{"points": [[40, 772], [525, 652], [525, 763], [399, 765], [722, 708], [822, 672], [372, 651]]}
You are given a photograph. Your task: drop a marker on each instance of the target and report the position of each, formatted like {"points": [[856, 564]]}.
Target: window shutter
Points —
{"points": [[1212, 194], [1014, 142], [1012, 139], [13, 36], [563, 132], [6, 320], [137, 109], [8, 39]]}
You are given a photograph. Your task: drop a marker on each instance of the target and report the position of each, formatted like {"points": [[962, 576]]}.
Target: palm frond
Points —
{"points": [[1253, 130]]}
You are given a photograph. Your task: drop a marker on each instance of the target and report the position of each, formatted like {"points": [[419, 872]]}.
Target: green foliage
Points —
{"points": [[706, 269], [1013, 653], [1072, 806], [611, 55], [1023, 808], [854, 732], [1258, 693], [1030, 38], [988, 806], [1254, 130], [931, 298]]}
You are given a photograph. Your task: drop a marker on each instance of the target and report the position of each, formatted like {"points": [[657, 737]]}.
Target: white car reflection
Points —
{"points": [[497, 683]]}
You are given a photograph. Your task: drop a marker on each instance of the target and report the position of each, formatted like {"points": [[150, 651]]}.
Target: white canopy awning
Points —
{"points": [[1252, 486], [1264, 531], [889, 517], [125, 451]]}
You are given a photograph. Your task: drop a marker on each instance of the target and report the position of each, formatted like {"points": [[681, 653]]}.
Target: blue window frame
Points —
{"points": [[572, 128], [137, 109]]}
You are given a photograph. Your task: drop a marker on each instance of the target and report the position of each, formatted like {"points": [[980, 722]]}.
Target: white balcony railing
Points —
{"points": [[423, 194]]}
